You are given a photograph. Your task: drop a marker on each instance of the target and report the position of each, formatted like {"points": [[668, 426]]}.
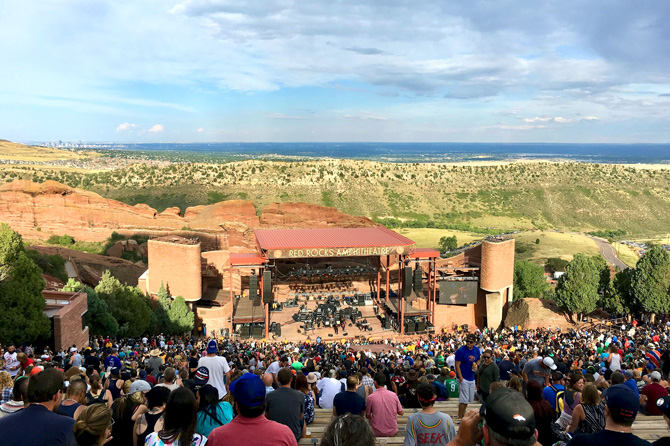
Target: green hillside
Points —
{"points": [[547, 195]]}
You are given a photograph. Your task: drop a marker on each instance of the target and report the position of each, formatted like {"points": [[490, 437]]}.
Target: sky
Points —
{"points": [[335, 71]]}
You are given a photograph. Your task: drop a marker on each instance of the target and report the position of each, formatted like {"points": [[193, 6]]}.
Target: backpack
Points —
{"points": [[560, 401]]}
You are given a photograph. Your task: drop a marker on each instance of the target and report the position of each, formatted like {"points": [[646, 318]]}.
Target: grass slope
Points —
{"points": [[544, 195], [12, 151]]}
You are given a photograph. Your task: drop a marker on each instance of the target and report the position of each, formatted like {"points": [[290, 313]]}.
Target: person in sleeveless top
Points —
{"points": [[614, 358], [147, 415], [572, 397], [98, 395], [75, 398], [302, 383], [115, 383], [589, 416]]}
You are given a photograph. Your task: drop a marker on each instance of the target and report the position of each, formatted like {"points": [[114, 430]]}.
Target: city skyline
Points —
{"points": [[284, 71]]}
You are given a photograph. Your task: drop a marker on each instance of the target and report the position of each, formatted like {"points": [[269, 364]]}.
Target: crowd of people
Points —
{"points": [[535, 386]]}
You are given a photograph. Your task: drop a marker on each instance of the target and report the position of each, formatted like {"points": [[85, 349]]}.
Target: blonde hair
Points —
{"points": [[515, 383], [590, 395], [5, 380], [92, 424]]}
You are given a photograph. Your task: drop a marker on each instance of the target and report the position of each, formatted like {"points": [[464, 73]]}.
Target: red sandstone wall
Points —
{"points": [[497, 265], [67, 323], [448, 315], [178, 267], [303, 215], [215, 318]]}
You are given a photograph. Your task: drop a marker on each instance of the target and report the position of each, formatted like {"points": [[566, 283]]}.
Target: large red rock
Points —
{"points": [[304, 215]]}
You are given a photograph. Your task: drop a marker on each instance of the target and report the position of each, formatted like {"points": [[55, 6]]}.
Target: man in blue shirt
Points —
{"points": [[467, 361], [630, 382], [557, 385]]}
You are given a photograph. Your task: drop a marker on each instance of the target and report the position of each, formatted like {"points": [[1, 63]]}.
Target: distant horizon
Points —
{"points": [[34, 142]]}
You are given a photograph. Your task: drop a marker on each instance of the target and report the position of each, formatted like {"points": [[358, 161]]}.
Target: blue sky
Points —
{"points": [[219, 70]]}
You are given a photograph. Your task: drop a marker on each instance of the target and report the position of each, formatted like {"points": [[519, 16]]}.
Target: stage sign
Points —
{"points": [[336, 252], [458, 292]]}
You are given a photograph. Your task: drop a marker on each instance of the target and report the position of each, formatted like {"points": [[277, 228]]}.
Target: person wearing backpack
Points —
{"points": [[555, 393]]}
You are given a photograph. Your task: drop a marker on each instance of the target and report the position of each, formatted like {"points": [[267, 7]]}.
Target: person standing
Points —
{"points": [[217, 368], [285, 405], [487, 373], [539, 369], [428, 427], [12, 364], [467, 359], [382, 409]]}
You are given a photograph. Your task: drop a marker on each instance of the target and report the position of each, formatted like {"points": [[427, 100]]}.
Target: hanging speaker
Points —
{"points": [[418, 280], [267, 287], [407, 283], [253, 287]]}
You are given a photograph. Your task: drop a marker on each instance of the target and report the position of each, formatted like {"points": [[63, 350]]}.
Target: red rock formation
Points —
{"points": [[303, 215]]}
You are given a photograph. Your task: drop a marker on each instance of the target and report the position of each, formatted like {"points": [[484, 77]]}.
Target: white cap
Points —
{"points": [[73, 349], [549, 363]]}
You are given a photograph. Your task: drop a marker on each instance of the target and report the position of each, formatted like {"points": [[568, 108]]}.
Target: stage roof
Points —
{"points": [[331, 242]]}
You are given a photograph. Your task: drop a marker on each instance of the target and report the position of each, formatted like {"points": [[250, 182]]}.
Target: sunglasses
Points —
{"points": [[486, 357]]}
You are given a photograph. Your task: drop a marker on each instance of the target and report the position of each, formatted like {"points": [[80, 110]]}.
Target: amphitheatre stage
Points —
{"points": [[369, 282]]}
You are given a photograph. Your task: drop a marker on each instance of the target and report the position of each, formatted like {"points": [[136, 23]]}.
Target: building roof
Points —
{"points": [[271, 239], [423, 253], [246, 258]]}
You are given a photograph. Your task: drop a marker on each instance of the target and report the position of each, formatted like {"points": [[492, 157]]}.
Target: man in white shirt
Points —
{"points": [[329, 387], [12, 365], [218, 368], [275, 366]]}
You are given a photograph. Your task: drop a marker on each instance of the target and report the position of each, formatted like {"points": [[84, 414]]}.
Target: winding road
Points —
{"points": [[608, 252]]}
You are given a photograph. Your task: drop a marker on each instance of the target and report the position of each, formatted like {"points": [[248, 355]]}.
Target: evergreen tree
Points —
{"points": [[182, 319], [603, 272], [21, 302], [127, 304], [651, 281], [529, 280], [98, 317], [577, 289], [162, 310]]}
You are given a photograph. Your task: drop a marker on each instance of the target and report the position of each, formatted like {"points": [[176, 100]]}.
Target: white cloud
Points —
{"points": [[283, 116], [157, 128], [562, 120], [590, 118], [537, 119], [200, 130], [125, 126]]}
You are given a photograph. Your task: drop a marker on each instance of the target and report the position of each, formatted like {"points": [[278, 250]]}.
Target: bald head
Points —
{"points": [[267, 379]]}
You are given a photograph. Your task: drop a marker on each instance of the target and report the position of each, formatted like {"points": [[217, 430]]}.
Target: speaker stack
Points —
{"points": [[257, 331], [407, 284], [267, 287], [421, 326], [418, 280], [253, 287]]}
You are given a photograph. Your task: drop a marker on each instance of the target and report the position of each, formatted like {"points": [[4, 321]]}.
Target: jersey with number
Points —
{"points": [[452, 387]]}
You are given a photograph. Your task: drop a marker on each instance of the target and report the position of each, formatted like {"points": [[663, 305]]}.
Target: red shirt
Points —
{"points": [[252, 432], [653, 392]]}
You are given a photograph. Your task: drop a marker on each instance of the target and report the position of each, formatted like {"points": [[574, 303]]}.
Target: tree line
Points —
{"points": [[586, 285], [113, 308]]}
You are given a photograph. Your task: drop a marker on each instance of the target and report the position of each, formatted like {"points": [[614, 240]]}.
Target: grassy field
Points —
{"points": [[500, 197], [429, 237], [20, 152], [552, 244], [626, 254]]}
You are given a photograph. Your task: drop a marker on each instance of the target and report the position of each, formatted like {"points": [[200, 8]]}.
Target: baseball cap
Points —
{"points": [[212, 347], [201, 376], [452, 374], [656, 375], [663, 404], [628, 374], [549, 363], [143, 374], [139, 386], [622, 402], [248, 390], [507, 413]]}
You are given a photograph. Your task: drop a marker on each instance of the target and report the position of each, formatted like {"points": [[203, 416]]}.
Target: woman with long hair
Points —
{"points": [[6, 387], [515, 383], [571, 399], [98, 395], [589, 416], [146, 420], [348, 430], [115, 383], [122, 414], [177, 425], [212, 413], [544, 413], [93, 426], [614, 358], [302, 383]]}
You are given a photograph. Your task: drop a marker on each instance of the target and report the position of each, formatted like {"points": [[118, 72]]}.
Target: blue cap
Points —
{"points": [[248, 390], [622, 402], [143, 374], [212, 347]]}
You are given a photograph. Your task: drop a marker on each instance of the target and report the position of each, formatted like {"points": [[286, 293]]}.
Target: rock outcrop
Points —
{"points": [[303, 215], [51, 207]]}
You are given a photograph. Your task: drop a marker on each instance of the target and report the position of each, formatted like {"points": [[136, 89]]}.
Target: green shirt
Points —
{"points": [[297, 365], [452, 387], [488, 374]]}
